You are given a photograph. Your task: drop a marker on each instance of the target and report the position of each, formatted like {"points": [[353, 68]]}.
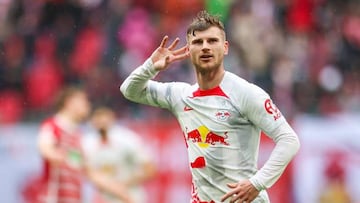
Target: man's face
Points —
{"points": [[207, 49], [103, 120], [79, 105]]}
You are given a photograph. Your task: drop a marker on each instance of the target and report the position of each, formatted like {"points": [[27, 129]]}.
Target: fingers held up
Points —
{"points": [[164, 55], [174, 43], [164, 41], [171, 46]]}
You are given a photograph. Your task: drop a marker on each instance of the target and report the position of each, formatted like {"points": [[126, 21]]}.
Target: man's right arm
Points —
{"points": [[47, 148], [138, 87]]}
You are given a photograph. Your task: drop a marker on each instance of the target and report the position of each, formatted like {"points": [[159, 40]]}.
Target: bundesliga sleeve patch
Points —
{"points": [[271, 109]]}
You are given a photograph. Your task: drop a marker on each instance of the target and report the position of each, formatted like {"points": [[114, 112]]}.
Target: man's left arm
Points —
{"points": [[261, 111], [286, 146], [264, 114]]}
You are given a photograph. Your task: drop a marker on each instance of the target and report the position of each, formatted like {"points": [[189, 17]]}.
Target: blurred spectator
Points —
{"points": [[43, 78], [13, 63], [289, 48], [335, 189], [11, 106], [88, 49], [131, 35]]}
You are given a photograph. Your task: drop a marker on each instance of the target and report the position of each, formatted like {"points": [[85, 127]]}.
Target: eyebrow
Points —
{"points": [[196, 41], [214, 38], [201, 39]]}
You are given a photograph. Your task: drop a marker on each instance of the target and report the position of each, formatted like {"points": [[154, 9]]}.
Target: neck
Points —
{"points": [[67, 117], [66, 121], [104, 137], [210, 78]]}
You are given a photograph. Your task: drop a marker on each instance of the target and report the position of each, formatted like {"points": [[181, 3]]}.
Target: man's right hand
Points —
{"points": [[163, 56]]}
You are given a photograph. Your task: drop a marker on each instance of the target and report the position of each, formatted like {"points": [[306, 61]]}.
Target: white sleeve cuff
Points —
{"points": [[149, 66], [256, 184]]}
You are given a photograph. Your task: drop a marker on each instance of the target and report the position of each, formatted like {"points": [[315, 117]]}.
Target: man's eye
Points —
{"points": [[212, 40]]}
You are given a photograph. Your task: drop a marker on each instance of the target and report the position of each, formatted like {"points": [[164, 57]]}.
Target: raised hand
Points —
{"points": [[163, 56], [243, 192]]}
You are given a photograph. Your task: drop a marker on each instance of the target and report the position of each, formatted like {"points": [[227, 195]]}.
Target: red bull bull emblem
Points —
{"points": [[204, 137]]}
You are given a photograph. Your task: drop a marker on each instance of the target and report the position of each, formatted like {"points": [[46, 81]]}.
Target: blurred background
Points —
{"points": [[304, 53]]}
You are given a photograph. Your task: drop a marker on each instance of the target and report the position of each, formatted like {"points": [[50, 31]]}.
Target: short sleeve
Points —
{"points": [[46, 134]]}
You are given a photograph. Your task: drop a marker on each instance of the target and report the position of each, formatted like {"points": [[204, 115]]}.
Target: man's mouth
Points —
{"points": [[206, 57]]}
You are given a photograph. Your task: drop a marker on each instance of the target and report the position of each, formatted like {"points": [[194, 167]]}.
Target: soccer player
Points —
{"points": [[119, 154], [221, 116], [60, 147]]}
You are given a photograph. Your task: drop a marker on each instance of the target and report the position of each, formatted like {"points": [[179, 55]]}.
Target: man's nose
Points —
{"points": [[205, 46]]}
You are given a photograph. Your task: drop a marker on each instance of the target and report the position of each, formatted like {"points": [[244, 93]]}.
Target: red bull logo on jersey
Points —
{"points": [[272, 109], [204, 137]]}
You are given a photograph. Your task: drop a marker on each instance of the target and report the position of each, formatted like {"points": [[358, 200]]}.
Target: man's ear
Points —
{"points": [[226, 47]]}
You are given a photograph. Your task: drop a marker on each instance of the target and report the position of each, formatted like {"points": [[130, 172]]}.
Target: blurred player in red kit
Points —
{"points": [[221, 116], [60, 147]]}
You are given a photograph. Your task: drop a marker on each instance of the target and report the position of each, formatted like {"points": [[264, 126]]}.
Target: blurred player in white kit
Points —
{"points": [[120, 155], [221, 117]]}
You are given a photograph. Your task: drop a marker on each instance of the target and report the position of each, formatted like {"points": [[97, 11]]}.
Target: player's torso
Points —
{"points": [[64, 181], [222, 144], [115, 160]]}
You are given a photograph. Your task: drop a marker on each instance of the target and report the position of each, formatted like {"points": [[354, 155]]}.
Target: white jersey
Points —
{"points": [[222, 130], [119, 159]]}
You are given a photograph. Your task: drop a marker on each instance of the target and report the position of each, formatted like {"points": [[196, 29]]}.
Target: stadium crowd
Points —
{"points": [[305, 53]]}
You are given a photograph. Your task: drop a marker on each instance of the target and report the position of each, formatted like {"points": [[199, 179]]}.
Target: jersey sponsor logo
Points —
{"points": [[222, 115], [187, 108], [271, 109], [204, 137]]}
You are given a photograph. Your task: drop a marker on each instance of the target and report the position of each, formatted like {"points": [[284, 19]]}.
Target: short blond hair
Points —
{"points": [[204, 21]]}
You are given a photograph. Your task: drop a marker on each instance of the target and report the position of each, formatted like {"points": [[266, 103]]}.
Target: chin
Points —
{"points": [[206, 67]]}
